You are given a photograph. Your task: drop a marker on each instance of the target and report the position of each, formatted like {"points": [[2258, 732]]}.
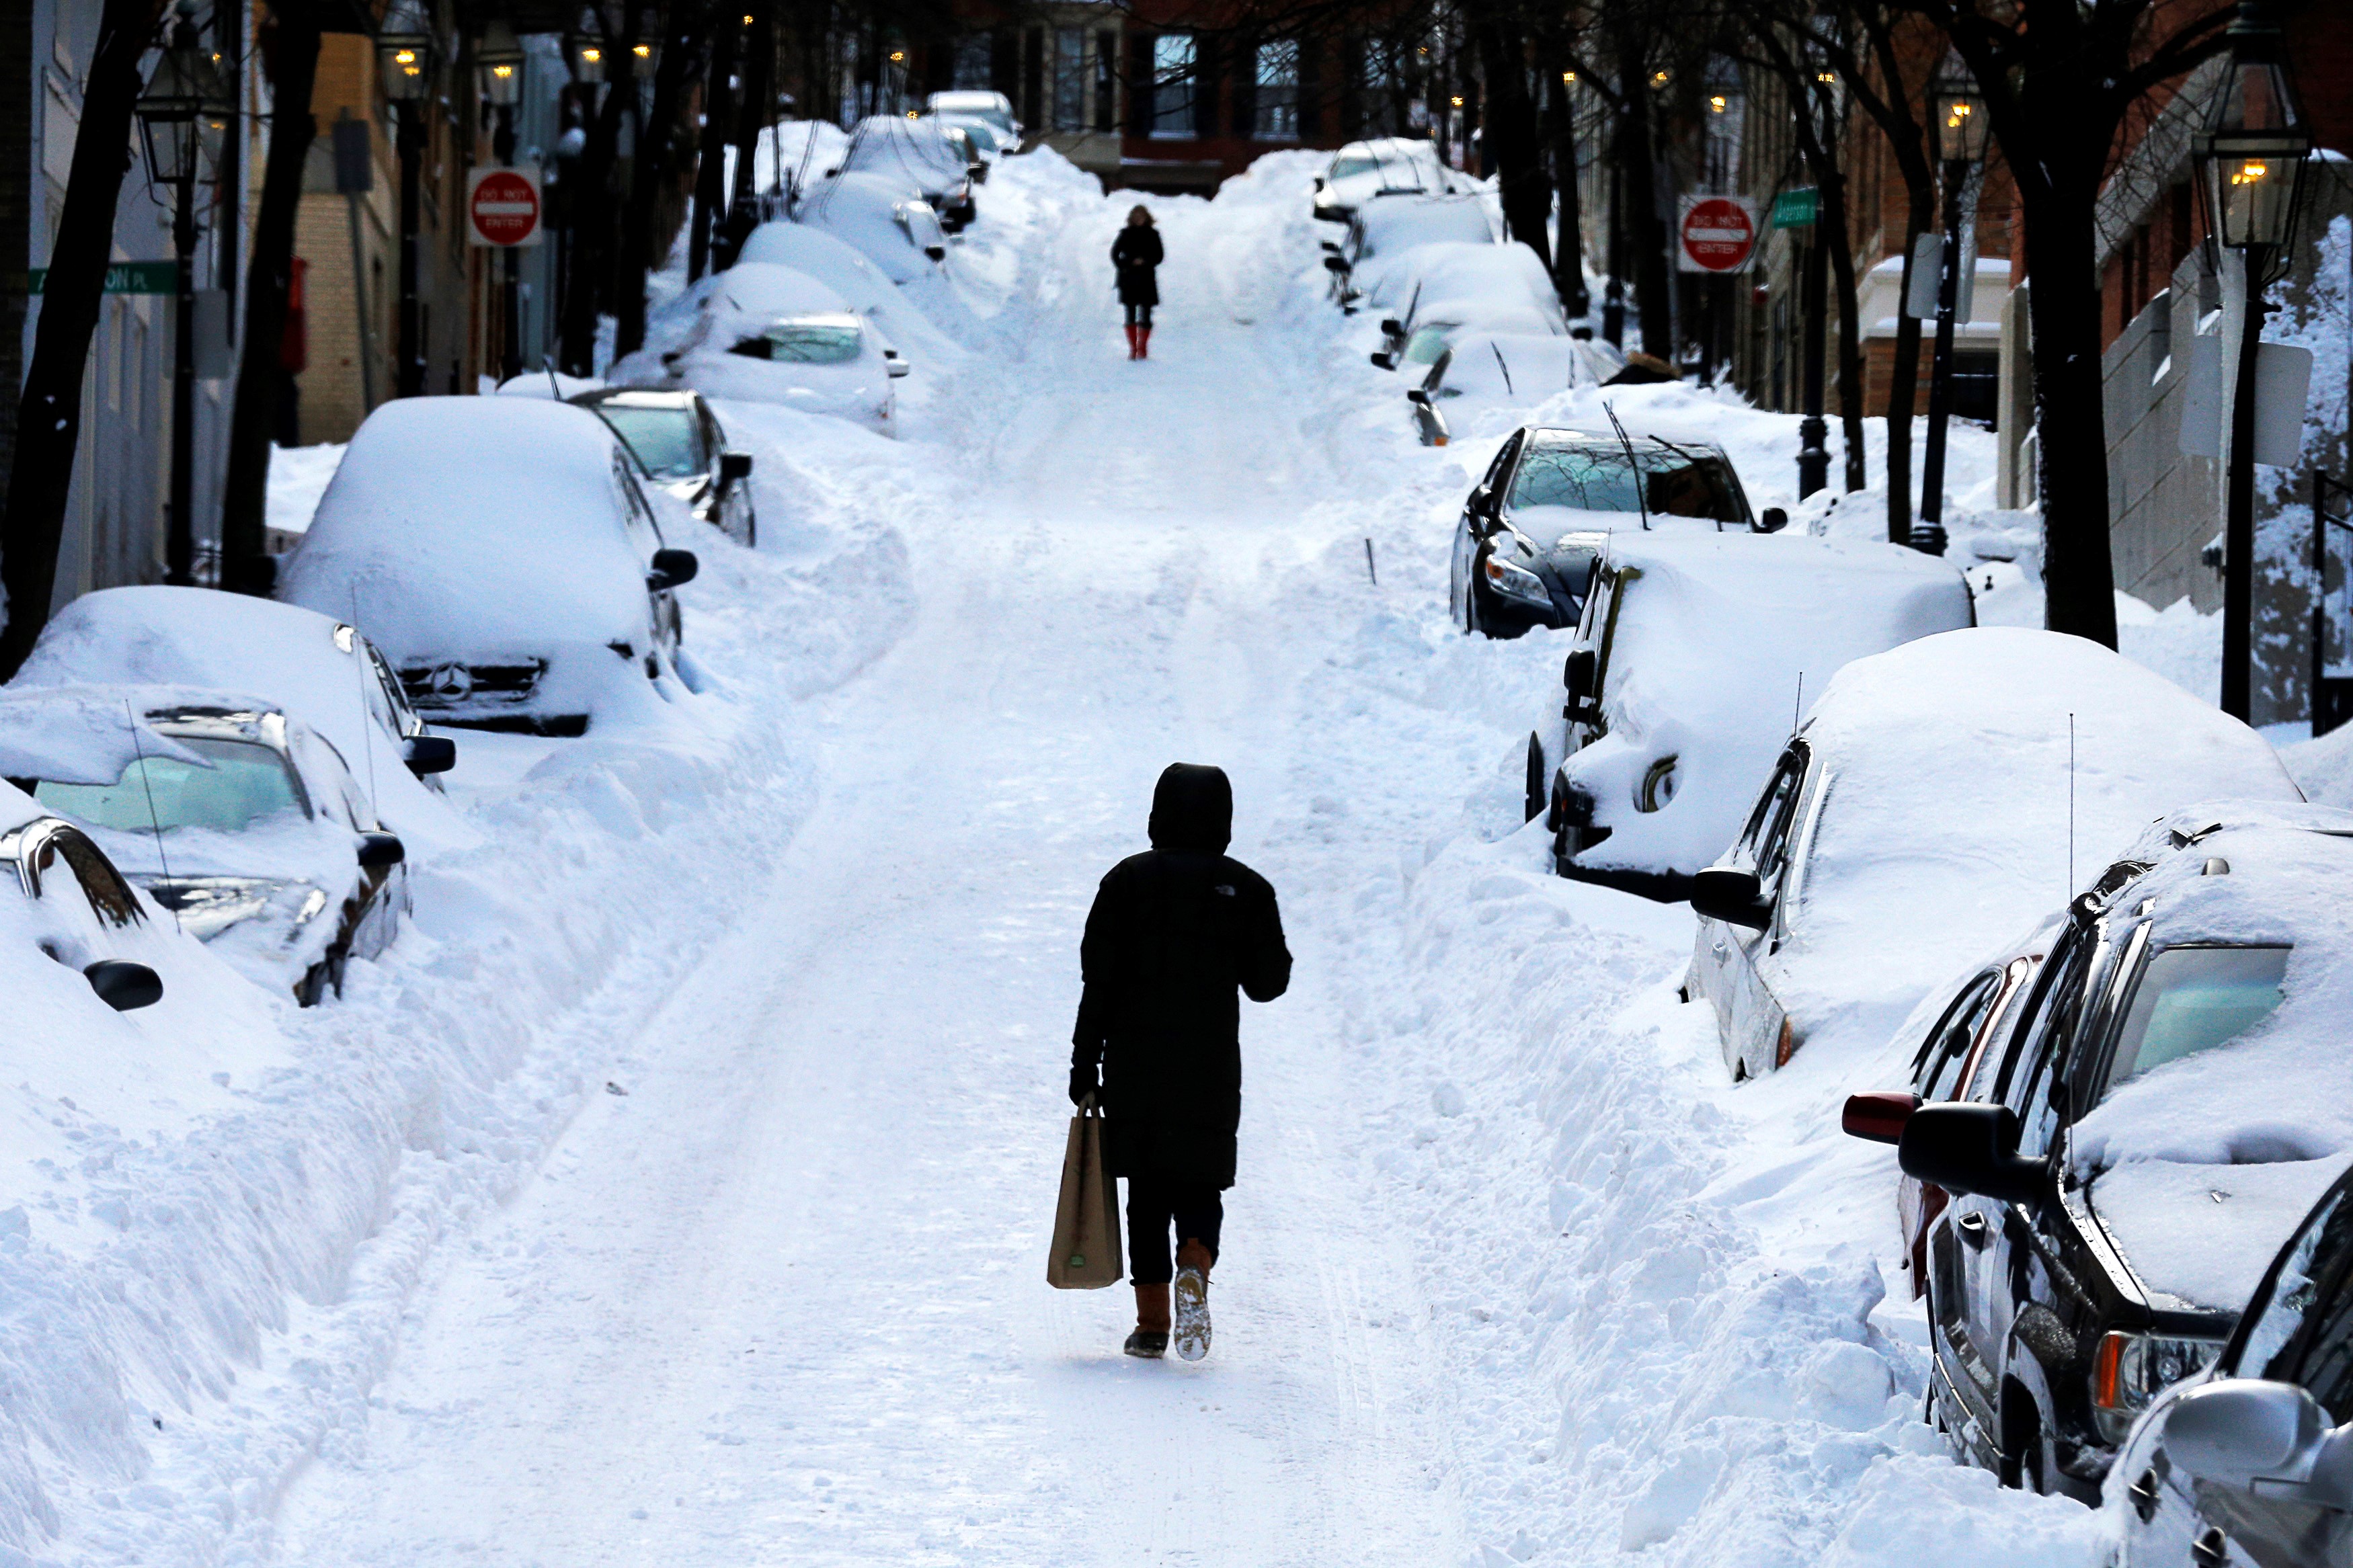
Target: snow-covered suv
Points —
{"points": [[2168, 1107]]}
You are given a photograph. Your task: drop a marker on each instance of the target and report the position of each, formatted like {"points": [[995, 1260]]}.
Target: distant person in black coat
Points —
{"points": [[1174, 932], [1135, 253]]}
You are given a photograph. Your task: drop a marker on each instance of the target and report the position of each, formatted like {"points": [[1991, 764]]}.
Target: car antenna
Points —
{"points": [[1798, 712], [2071, 806], [1632, 467], [152, 822], [554, 387]]}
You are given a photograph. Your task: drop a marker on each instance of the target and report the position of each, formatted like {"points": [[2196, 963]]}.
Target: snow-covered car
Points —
{"points": [[314, 667], [1941, 790], [2247, 1463], [1374, 261], [1387, 165], [862, 285], [501, 554], [918, 154], [63, 903], [247, 825], [2168, 1108], [680, 446], [882, 219], [992, 109], [984, 144], [1532, 528], [1683, 678], [772, 334]]}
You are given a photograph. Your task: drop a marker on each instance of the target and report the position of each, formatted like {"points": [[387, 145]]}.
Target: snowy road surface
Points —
{"points": [[1513, 1275], [783, 1302]]}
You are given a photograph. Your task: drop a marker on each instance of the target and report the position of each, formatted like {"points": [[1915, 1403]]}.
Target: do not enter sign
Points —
{"points": [[1717, 234], [502, 206]]}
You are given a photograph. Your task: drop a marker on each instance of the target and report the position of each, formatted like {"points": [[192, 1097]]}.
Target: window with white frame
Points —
{"points": [[1172, 85], [1278, 92], [1069, 79]]}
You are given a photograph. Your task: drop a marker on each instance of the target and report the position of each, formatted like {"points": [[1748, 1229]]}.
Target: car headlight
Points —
{"points": [[2129, 1369], [1516, 582]]}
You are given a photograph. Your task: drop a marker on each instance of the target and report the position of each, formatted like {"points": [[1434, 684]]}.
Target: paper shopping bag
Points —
{"points": [[1086, 1254]]}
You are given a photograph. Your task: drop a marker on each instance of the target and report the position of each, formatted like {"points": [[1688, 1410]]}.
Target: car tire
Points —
{"points": [[1471, 624], [751, 540], [1538, 778], [2022, 1456]]}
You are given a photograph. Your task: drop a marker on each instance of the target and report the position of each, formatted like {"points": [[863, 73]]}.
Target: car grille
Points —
{"points": [[450, 686]]}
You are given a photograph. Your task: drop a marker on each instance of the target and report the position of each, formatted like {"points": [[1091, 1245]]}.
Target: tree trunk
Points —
{"points": [[293, 61], [1849, 335], [1510, 134], [592, 228], [646, 175], [759, 107], [710, 159], [49, 413], [2072, 470], [1568, 252], [1640, 196]]}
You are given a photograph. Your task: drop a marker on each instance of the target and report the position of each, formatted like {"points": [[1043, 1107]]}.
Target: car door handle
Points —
{"points": [[1973, 1229], [1718, 949]]}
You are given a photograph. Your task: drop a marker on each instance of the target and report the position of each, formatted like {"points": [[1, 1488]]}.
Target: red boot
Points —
{"points": [[1143, 342], [1133, 351]]}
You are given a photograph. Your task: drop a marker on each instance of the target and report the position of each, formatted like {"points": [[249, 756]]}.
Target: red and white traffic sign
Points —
{"points": [[502, 206], [1719, 233]]}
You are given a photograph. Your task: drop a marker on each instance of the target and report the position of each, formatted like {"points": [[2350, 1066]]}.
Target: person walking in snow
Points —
{"points": [[1174, 932], [1135, 253]]}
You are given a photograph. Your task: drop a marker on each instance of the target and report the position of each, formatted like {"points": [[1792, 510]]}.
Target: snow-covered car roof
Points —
{"points": [[1521, 366], [1395, 223], [894, 146], [847, 271], [769, 289], [466, 526], [885, 220], [84, 734], [1496, 288], [1715, 633], [308, 664], [1972, 779]]}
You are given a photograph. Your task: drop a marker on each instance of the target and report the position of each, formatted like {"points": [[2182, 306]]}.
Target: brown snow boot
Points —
{"points": [[1143, 342], [1133, 350], [1151, 1337]]}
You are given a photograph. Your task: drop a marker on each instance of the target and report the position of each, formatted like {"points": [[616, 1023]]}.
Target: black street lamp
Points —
{"points": [[404, 47], [2252, 148], [184, 121], [1961, 127]]}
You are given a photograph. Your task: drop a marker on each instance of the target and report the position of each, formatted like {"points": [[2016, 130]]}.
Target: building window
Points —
{"points": [[1278, 92], [1106, 81], [1172, 85], [1069, 79]]}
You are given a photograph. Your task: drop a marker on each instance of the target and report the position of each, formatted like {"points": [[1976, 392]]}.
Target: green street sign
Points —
{"points": [[123, 277], [1797, 209]]}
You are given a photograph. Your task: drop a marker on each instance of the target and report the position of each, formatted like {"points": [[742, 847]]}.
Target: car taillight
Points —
{"points": [[1788, 1045]]}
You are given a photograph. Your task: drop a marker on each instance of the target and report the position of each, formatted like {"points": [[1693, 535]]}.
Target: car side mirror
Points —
{"points": [[381, 850], [2270, 1438], [1391, 327], [1336, 264], [1878, 1117], [1383, 359], [1734, 897], [672, 569], [936, 252], [1319, 182], [1971, 1148], [124, 986], [735, 468], [1417, 395], [428, 754], [1577, 675], [895, 365], [1331, 244], [1773, 521]]}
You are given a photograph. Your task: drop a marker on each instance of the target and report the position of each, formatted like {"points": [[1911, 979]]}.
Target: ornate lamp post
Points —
{"points": [[1961, 133], [2252, 149], [405, 53], [184, 119]]}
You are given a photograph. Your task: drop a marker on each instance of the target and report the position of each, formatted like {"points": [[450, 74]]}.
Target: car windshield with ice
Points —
{"points": [[229, 786], [809, 340], [1654, 478]]}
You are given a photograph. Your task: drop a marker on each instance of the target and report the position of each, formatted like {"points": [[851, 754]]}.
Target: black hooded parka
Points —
{"points": [[1174, 934]]}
